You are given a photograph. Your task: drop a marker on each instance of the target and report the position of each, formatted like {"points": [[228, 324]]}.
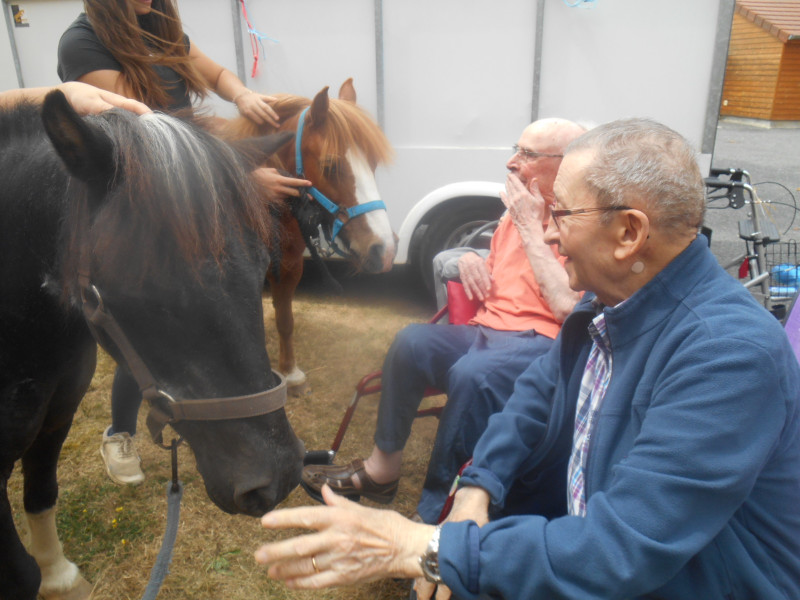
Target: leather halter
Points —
{"points": [[323, 200], [98, 318]]}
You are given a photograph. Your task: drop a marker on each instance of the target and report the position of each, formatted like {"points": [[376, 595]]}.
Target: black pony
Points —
{"points": [[162, 220]]}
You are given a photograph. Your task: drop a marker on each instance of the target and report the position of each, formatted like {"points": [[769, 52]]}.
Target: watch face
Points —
{"points": [[430, 567], [429, 562]]}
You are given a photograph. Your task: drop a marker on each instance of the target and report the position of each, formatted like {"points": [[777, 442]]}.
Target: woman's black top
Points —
{"points": [[80, 51]]}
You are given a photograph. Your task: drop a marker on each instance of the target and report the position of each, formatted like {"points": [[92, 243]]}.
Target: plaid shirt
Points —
{"points": [[594, 383]]}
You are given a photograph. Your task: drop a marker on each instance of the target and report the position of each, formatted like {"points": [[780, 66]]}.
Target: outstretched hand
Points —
{"points": [[88, 100], [351, 544]]}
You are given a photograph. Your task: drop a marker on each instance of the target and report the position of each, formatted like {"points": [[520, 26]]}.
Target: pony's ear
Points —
{"points": [[256, 151], [348, 91], [85, 149], [319, 108]]}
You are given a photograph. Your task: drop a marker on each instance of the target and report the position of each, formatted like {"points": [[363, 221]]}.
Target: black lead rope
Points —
{"points": [[309, 217], [174, 494]]}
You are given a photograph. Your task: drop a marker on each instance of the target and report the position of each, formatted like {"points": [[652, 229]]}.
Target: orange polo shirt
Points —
{"points": [[515, 302]]}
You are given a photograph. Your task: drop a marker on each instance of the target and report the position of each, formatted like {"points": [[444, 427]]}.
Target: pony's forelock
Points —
{"points": [[348, 127], [177, 195]]}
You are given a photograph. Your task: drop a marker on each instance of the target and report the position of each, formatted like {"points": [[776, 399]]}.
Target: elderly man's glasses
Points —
{"points": [[558, 213], [531, 155]]}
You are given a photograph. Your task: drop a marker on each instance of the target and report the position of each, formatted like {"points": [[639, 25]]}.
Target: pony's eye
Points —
{"points": [[332, 167]]}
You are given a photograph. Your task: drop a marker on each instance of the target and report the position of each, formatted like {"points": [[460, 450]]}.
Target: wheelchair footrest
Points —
{"points": [[768, 235]]}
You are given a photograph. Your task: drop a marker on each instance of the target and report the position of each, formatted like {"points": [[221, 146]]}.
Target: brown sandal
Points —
{"points": [[340, 480]]}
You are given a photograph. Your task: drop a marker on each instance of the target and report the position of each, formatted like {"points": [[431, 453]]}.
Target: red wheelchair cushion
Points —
{"points": [[460, 309]]}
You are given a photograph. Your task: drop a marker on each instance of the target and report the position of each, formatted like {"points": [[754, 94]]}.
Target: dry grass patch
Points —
{"points": [[114, 533]]}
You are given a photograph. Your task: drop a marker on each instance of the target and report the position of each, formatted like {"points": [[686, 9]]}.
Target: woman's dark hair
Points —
{"points": [[139, 43]]}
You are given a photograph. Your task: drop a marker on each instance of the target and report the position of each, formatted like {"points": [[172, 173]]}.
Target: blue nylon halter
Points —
{"points": [[327, 204]]}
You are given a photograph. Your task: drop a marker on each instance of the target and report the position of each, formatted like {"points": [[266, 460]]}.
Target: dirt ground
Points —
{"points": [[114, 533]]}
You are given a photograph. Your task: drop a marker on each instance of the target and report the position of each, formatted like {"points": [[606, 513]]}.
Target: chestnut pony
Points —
{"points": [[156, 223], [337, 147]]}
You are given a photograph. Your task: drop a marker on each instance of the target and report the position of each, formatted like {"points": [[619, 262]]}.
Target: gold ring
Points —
{"points": [[314, 563]]}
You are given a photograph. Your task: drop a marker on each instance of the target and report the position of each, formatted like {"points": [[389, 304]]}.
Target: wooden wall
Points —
{"points": [[762, 76], [787, 92]]}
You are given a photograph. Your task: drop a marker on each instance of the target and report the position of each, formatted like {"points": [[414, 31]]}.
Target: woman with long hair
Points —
{"points": [[137, 48]]}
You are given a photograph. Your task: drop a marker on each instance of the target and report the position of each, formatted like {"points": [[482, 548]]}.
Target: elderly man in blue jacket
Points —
{"points": [[654, 452]]}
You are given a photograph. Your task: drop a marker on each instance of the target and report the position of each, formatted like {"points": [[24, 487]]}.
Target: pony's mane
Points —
{"points": [[348, 126], [21, 122], [179, 197]]}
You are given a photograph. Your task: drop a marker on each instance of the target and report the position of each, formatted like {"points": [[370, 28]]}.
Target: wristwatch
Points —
{"points": [[430, 560]]}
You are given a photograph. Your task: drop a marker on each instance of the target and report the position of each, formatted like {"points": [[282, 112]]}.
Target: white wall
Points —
{"points": [[209, 24], [622, 58], [318, 43], [37, 44]]}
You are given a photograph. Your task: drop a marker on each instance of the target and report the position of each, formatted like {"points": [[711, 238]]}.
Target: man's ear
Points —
{"points": [[633, 229]]}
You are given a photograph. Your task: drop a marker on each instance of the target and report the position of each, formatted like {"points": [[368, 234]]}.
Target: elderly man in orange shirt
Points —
{"points": [[524, 296]]}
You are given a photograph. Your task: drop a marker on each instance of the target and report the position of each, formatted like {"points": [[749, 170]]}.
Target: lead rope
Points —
{"points": [[174, 494]]}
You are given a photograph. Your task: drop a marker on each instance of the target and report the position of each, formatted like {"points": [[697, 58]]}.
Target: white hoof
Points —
{"points": [[295, 381], [79, 590]]}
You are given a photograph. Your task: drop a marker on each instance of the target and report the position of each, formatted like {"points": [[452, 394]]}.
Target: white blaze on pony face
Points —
{"points": [[377, 220]]}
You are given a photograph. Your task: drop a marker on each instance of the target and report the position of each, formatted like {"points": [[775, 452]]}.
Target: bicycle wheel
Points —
{"points": [[778, 205]]}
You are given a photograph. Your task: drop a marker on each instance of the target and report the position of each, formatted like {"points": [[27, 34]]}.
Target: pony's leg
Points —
{"points": [[19, 574], [291, 270], [61, 579]]}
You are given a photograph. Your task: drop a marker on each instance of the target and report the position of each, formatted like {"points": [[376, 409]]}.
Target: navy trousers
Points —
{"points": [[476, 366], [125, 402]]}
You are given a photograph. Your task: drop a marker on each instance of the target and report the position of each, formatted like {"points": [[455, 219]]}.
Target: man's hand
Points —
{"points": [[349, 544], [425, 590], [526, 206], [474, 276], [470, 504]]}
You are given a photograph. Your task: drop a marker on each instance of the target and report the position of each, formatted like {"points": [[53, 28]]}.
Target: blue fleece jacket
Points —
{"points": [[693, 472]]}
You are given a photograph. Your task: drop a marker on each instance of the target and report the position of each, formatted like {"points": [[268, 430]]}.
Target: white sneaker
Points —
{"points": [[122, 460]]}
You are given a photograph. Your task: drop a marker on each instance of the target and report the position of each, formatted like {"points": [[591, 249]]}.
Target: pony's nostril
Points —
{"points": [[257, 501], [374, 261]]}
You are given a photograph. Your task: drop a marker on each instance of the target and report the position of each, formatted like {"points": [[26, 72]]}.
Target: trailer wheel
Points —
{"points": [[451, 227]]}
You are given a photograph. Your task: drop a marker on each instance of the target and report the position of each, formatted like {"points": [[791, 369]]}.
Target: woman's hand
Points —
{"points": [[256, 107], [352, 544], [84, 98], [87, 99], [279, 186]]}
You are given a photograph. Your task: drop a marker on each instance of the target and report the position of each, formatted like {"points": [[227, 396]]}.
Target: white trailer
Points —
{"points": [[452, 82]]}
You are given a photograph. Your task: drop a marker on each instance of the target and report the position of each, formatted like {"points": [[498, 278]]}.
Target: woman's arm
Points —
{"points": [[84, 98], [228, 86], [109, 80]]}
